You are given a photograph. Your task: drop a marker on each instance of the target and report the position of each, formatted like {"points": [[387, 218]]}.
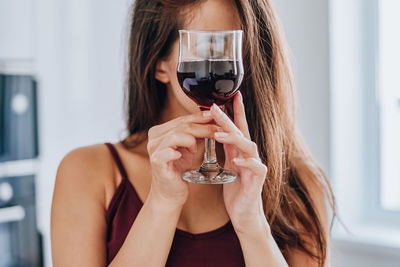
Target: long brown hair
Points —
{"points": [[269, 97]]}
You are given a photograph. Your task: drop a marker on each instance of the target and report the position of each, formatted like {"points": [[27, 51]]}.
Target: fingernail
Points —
{"points": [[216, 107], [238, 160], [220, 134], [206, 113], [240, 96]]}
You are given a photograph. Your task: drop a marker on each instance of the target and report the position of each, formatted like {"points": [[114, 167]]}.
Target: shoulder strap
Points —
{"points": [[117, 160]]}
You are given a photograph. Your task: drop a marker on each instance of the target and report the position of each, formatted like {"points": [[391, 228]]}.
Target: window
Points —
{"points": [[365, 112], [365, 134], [389, 103]]}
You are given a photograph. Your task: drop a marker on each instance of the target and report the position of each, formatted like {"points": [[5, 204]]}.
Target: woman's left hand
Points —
{"points": [[242, 197]]}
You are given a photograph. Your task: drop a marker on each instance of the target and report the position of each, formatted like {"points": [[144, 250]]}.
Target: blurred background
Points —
{"points": [[61, 86]]}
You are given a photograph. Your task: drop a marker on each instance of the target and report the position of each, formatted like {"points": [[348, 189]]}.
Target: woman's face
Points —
{"points": [[212, 15]]}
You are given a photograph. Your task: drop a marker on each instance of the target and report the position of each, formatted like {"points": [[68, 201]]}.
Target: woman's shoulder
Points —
{"points": [[87, 171], [78, 208], [89, 161], [86, 157]]}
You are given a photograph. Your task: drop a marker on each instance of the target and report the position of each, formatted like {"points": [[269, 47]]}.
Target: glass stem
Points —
{"points": [[210, 157]]}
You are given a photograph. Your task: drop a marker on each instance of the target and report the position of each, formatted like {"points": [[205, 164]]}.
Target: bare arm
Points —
{"points": [[243, 196], [149, 240], [170, 148], [79, 224], [259, 247]]}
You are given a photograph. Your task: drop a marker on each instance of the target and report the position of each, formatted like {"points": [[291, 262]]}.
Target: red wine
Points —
{"points": [[210, 81]]}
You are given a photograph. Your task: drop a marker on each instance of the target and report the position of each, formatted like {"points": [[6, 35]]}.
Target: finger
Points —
{"points": [[199, 131], [179, 139], [255, 165], [161, 129], [239, 114], [161, 157], [223, 120], [242, 143]]}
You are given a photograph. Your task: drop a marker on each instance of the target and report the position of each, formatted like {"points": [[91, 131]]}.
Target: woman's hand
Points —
{"points": [[171, 147], [243, 196]]}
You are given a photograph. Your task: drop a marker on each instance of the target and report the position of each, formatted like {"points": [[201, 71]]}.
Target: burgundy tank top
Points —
{"points": [[219, 247]]}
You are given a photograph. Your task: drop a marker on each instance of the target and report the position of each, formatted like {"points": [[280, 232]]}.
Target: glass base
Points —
{"points": [[199, 176]]}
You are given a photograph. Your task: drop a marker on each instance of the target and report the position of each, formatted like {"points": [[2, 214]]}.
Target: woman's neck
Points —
{"points": [[172, 109]]}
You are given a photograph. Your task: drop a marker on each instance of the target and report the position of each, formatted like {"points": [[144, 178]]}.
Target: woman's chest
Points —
{"points": [[220, 248]]}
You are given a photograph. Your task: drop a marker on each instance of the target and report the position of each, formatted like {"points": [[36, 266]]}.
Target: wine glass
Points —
{"points": [[210, 70]]}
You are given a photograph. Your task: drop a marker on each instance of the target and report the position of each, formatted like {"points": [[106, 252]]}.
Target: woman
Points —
{"points": [[125, 204]]}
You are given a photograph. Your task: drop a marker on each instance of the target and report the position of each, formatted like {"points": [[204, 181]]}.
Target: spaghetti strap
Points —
{"points": [[118, 161]]}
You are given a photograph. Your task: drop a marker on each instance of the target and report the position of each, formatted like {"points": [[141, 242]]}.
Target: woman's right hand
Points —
{"points": [[171, 147]]}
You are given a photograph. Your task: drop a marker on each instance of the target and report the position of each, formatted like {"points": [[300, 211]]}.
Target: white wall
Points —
{"points": [[79, 52], [356, 254], [305, 24], [17, 29]]}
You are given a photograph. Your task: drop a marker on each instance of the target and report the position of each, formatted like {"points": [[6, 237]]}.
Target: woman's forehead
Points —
{"points": [[213, 15]]}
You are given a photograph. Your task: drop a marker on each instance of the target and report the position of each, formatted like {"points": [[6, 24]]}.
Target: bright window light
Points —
{"points": [[389, 102]]}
